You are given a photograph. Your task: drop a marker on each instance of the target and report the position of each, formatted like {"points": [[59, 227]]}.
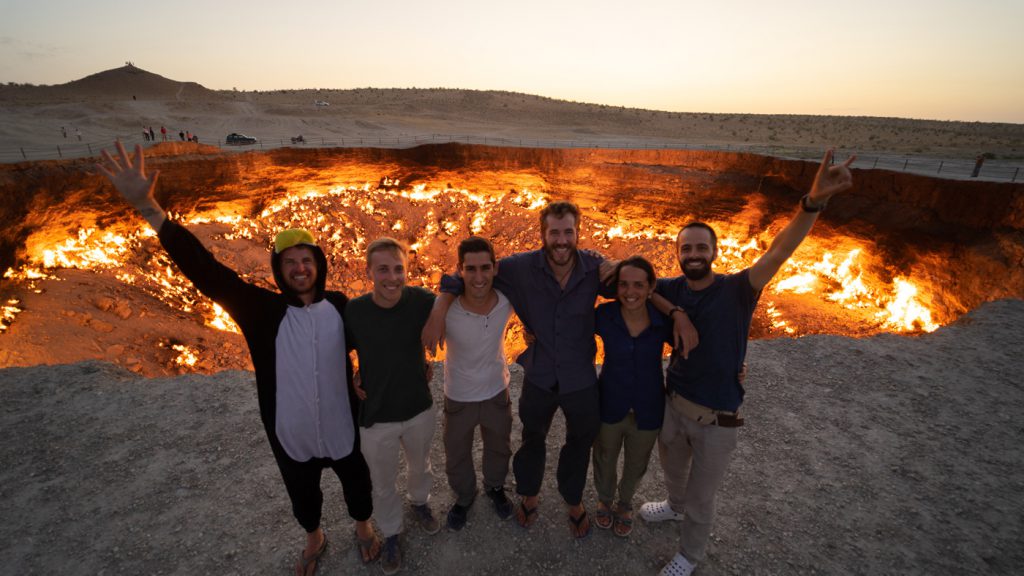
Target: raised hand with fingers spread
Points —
{"points": [[128, 175]]}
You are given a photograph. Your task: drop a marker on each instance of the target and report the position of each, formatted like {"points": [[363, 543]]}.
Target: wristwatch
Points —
{"points": [[806, 206]]}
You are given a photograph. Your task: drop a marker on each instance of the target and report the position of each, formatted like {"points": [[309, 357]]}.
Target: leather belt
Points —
{"points": [[704, 415]]}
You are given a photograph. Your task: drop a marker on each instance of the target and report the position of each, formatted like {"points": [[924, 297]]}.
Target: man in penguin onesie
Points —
{"points": [[297, 341]]}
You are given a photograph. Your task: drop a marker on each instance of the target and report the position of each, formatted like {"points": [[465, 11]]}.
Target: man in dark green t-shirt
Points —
{"points": [[384, 327]]}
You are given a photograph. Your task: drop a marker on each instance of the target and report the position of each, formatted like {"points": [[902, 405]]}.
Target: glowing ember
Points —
{"points": [[776, 318], [186, 357], [221, 320], [7, 313]]}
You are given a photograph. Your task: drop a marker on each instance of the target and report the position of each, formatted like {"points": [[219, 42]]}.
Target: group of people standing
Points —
{"points": [[319, 411], [149, 135]]}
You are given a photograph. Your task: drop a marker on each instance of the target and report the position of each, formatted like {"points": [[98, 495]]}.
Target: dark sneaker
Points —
{"points": [[502, 505], [391, 555], [457, 517], [425, 518]]}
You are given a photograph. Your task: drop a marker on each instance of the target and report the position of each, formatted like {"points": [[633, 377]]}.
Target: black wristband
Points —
{"points": [[805, 204], [676, 309]]}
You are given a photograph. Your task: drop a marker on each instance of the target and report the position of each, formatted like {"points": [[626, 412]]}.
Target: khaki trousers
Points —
{"points": [[612, 439], [381, 444], [694, 457], [494, 417]]}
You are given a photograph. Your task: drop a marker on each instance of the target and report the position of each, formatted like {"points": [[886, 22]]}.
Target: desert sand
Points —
{"points": [[119, 103], [881, 455]]}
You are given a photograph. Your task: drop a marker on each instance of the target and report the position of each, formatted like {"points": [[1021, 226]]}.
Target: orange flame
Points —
{"points": [[344, 217]]}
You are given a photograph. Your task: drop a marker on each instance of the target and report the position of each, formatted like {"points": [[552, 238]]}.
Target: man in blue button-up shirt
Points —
{"points": [[553, 291]]}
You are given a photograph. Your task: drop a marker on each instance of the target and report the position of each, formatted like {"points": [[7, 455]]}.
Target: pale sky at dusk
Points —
{"points": [[939, 59]]}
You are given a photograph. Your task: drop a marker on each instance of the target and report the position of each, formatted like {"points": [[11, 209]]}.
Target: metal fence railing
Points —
{"points": [[991, 170]]}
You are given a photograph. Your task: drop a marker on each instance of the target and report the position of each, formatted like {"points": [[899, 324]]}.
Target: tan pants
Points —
{"points": [[694, 457], [381, 444]]}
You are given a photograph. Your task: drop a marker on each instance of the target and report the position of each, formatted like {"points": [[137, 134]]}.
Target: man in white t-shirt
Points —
{"points": [[476, 384]]}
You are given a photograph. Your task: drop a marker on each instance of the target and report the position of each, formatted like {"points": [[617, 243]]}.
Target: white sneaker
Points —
{"points": [[659, 512], [679, 566]]}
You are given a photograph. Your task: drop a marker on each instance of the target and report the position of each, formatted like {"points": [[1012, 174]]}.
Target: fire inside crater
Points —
{"points": [[839, 281]]}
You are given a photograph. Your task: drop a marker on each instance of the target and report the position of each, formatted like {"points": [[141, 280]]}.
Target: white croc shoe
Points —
{"points": [[679, 566], [659, 512]]}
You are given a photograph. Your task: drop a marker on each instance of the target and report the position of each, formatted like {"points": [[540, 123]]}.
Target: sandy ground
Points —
{"points": [[882, 455], [119, 103]]}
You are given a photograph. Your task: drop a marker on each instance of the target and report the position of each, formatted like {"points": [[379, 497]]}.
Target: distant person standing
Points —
{"points": [[977, 165], [64, 132], [152, 135], [181, 134], [188, 136], [163, 133], [78, 134], [145, 135]]}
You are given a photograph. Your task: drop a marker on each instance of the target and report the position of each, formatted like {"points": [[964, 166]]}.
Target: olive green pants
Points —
{"points": [[611, 439]]}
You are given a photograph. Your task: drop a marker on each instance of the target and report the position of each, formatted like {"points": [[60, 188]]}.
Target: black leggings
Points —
{"points": [[302, 480]]}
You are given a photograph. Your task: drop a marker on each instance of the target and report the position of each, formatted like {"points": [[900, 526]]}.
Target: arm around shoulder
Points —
{"points": [[433, 332]]}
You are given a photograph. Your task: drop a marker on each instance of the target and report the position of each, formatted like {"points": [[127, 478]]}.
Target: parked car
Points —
{"points": [[239, 139]]}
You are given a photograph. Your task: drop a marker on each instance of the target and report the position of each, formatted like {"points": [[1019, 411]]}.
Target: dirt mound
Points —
{"points": [[133, 82]]}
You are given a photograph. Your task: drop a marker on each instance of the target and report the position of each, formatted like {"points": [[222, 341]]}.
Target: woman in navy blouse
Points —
{"points": [[632, 384]]}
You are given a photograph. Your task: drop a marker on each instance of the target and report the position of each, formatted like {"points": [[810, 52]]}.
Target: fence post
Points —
{"points": [[342, 141], [90, 148], [875, 164], [23, 154], [58, 152], [905, 162], [941, 162], [1013, 180]]}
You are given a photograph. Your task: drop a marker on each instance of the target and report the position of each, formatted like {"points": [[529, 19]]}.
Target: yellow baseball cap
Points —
{"points": [[285, 239]]}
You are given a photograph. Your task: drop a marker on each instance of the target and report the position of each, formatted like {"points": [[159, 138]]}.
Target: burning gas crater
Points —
{"points": [[832, 285]]}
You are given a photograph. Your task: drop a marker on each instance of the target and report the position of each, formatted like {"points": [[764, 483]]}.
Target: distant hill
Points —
{"points": [[120, 83]]}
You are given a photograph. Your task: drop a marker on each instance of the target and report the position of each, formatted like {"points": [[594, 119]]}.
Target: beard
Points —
{"points": [[556, 258], [698, 273]]}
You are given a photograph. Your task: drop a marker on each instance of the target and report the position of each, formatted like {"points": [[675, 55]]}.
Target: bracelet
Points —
{"points": [[805, 204], [676, 309]]}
